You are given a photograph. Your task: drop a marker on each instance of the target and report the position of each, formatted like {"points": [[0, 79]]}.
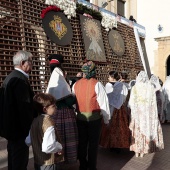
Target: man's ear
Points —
{"points": [[22, 63]]}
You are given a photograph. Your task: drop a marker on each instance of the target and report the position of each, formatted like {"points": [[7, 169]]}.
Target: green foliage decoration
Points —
{"points": [[81, 9]]}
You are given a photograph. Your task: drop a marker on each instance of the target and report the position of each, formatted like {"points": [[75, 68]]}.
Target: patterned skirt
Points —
{"points": [[140, 144], [117, 133], [67, 127]]}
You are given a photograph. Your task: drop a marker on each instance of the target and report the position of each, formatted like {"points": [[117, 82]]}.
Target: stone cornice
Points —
{"points": [[162, 38]]}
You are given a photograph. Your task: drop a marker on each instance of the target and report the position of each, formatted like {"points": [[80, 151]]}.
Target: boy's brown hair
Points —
{"points": [[42, 100]]}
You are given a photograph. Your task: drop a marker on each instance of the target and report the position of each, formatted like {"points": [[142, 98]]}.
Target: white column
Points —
{"points": [[127, 9]]}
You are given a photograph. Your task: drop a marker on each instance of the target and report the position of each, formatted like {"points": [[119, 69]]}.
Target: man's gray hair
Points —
{"points": [[21, 56]]}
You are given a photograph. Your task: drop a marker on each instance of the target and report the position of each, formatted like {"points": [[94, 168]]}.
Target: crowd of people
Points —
{"points": [[70, 121]]}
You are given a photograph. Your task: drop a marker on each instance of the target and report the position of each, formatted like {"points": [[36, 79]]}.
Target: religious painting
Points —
{"points": [[57, 28], [93, 40], [116, 42]]}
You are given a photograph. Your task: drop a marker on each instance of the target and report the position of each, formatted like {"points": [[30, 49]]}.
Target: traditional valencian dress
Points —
{"points": [[146, 131], [159, 97], [92, 106], [166, 93], [117, 134], [65, 117]]}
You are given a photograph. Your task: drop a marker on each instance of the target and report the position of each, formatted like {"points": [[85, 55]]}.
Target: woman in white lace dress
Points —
{"points": [[159, 97], [166, 93], [146, 131]]}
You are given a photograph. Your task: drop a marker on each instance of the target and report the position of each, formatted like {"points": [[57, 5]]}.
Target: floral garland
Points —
{"points": [[82, 9], [108, 22], [68, 6], [49, 8]]}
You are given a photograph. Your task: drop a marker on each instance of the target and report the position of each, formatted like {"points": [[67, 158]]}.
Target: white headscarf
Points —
{"points": [[159, 95], [142, 77], [144, 106], [155, 81], [166, 91], [57, 86]]}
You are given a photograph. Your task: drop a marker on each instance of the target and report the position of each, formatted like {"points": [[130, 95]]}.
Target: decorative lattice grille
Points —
{"points": [[21, 29]]}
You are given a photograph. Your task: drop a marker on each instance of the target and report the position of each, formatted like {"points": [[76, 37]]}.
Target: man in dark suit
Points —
{"points": [[16, 112]]}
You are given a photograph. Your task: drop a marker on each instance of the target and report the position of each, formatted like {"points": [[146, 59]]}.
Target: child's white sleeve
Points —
{"points": [[49, 144]]}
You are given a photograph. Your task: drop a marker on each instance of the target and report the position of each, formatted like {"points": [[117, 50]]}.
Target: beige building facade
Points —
{"points": [[112, 5], [131, 8], [153, 15], [162, 64]]}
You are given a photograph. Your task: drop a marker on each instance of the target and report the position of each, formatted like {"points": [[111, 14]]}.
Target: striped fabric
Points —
{"points": [[67, 128]]}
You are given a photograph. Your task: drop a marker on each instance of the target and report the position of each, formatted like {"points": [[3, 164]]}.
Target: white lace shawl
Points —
{"points": [[116, 94], [144, 106], [159, 94], [166, 91], [57, 86], [155, 81]]}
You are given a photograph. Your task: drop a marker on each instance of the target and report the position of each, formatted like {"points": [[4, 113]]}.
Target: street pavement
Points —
{"points": [[107, 160]]}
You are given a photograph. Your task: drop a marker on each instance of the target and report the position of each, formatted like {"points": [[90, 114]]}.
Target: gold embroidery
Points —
{"points": [[117, 46], [58, 27]]}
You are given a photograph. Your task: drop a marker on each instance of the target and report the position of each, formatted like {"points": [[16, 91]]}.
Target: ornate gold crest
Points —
{"points": [[58, 27]]}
